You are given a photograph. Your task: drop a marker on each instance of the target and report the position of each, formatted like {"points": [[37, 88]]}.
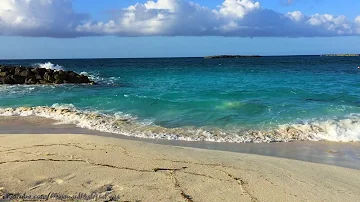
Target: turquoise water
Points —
{"points": [[219, 94]]}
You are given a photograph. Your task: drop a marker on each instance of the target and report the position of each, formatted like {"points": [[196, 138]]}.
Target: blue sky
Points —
{"points": [[176, 28], [350, 8]]}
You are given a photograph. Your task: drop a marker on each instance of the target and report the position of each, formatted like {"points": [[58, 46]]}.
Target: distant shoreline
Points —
{"points": [[232, 56], [340, 55], [258, 56]]}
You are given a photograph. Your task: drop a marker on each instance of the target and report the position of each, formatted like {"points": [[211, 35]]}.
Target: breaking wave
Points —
{"points": [[98, 79], [49, 65], [343, 130]]}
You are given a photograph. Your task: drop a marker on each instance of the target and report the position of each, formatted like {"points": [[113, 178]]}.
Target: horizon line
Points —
{"points": [[99, 58]]}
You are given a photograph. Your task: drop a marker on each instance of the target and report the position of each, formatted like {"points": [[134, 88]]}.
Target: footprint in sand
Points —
{"points": [[104, 189], [333, 152], [51, 181], [107, 188]]}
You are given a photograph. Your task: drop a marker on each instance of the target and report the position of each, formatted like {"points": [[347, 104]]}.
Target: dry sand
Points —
{"points": [[139, 171]]}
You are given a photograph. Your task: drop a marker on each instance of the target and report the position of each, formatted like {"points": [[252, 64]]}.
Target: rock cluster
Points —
{"points": [[29, 75]]}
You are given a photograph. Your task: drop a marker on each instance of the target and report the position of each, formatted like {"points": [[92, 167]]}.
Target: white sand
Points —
{"points": [[69, 164]]}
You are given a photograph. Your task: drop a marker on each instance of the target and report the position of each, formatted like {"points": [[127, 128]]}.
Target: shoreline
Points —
{"points": [[331, 153], [334, 130], [139, 171]]}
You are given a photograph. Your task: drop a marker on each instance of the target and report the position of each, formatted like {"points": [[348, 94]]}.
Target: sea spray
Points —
{"points": [[49, 65]]}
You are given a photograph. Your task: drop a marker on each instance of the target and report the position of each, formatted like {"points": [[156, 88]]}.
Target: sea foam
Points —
{"points": [[343, 130], [49, 65], [98, 79]]}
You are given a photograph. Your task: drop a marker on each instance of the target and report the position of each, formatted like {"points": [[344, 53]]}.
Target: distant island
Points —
{"points": [[340, 55], [231, 56]]}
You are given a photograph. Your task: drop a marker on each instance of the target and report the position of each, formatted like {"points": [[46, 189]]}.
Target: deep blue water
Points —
{"points": [[247, 93]]}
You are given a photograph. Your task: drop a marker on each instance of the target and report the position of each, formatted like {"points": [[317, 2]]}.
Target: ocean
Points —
{"points": [[266, 99]]}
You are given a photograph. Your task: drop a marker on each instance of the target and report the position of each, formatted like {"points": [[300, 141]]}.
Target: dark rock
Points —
{"points": [[30, 81], [11, 70], [58, 81], [61, 72], [84, 79], [38, 77], [18, 79], [60, 76], [28, 75], [18, 70], [39, 71], [49, 77], [42, 82], [72, 77], [7, 80]]}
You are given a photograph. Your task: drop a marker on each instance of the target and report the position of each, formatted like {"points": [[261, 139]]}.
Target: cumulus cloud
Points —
{"points": [[54, 18], [164, 17], [237, 9], [357, 21], [237, 18]]}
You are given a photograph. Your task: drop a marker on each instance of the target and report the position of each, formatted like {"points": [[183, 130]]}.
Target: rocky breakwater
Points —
{"points": [[28, 75]]}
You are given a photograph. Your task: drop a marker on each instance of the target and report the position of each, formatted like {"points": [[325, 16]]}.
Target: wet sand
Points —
{"points": [[69, 164]]}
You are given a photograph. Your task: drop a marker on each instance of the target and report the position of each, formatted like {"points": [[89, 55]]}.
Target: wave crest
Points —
{"points": [[337, 130], [49, 65], [344, 130]]}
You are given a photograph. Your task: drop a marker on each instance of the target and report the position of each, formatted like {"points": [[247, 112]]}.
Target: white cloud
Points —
{"points": [[331, 24], [357, 21], [296, 16], [242, 18], [237, 8], [164, 17], [54, 18]]}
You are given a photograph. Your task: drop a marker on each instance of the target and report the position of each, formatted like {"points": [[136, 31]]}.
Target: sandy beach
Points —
{"points": [[179, 101], [138, 171]]}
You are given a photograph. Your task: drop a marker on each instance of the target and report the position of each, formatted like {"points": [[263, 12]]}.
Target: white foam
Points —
{"points": [[121, 115], [63, 106], [98, 79], [10, 90], [49, 65], [342, 130]]}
